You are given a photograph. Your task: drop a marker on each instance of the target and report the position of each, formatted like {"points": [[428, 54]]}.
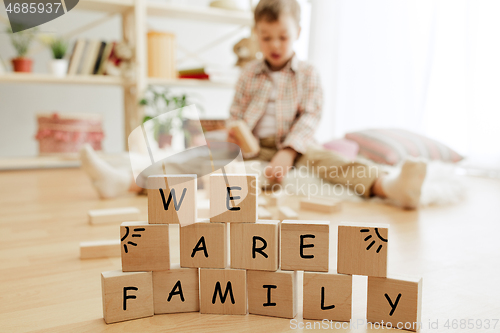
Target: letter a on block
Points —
{"points": [[223, 291], [203, 244], [176, 290], [395, 301], [233, 198], [172, 199], [126, 296]]}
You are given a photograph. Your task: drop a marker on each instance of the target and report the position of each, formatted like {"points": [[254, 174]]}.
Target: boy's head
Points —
{"points": [[277, 28]]}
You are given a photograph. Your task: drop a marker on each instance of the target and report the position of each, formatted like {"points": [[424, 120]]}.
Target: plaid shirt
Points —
{"points": [[299, 100]]}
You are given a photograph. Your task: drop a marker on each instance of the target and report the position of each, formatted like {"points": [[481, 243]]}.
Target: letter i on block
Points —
{"points": [[305, 245], [144, 247], [223, 291], [272, 293], [172, 199], [233, 198], [395, 301], [327, 296], [126, 296], [176, 290], [362, 249]]}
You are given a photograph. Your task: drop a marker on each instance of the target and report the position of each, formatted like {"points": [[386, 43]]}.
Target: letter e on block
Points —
{"points": [[362, 249], [395, 301], [172, 199], [223, 291], [126, 296], [228, 202], [305, 245]]}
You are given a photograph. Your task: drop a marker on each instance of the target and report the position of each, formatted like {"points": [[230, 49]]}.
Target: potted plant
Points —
{"points": [[21, 41], [159, 101], [59, 46]]}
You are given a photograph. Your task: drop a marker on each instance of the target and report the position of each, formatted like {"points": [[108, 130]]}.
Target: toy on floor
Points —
{"points": [[254, 282]]}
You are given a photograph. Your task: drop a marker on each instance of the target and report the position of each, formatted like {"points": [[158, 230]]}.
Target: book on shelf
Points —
{"points": [[202, 76], [192, 71], [90, 57]]}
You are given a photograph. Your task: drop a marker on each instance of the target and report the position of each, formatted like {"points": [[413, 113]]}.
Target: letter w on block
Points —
{"points": [[172, 199]]}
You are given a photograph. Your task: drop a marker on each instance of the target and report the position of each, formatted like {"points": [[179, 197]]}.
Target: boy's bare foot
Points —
{"points": [[108, 181], [404, 189]]}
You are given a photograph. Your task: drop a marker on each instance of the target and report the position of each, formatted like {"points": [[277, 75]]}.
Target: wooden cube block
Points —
{"points": [[275, 199], [126, 296], [223, 291], [145, 247], [203, 244], [248, 143], [272, 293], [176, 290], [320, 205], [395, 301], [286, 213], [264, 214], [172, 199], [362, 249], [305, 245], [327, 296], [235, 201], [113, 215], [100, 249], [255, 245]]}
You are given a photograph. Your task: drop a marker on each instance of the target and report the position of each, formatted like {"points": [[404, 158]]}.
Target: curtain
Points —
{"points": [[430, 66]]}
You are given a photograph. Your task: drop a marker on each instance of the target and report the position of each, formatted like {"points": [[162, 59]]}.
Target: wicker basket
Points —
{"points": [[66, 133]]}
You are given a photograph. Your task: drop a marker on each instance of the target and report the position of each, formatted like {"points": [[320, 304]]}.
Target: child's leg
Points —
{"points": [[403, 189]]}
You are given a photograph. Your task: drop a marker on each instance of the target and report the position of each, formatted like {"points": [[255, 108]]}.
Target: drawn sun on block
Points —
{"points": [[374, 240], [127, 232]]}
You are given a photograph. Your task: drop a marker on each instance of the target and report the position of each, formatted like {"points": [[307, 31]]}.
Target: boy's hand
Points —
{"points": [[279, 166], [231, 137]]}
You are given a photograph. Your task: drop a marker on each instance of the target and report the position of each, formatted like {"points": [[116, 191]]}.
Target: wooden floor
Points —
{"points": [[44, 286]]}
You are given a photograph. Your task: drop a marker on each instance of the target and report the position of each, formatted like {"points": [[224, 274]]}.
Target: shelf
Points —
{"points": [[190, 83], [199, 13], [110, 6], [71, 79]]}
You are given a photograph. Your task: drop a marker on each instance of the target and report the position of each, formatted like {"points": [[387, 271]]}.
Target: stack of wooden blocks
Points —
{"points": [[265, 256]]}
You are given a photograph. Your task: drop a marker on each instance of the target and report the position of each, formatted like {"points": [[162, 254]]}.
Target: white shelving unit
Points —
{"points": [[134, 14]]}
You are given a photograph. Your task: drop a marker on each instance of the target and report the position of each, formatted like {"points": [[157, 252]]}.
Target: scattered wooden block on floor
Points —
{"points": [[261, 201], [264, 214], [305, 245], [272, 293], [203, 244], [327, 296], [395, 301], [223, 291], [126, 296], [320, 205], [100, 249], [176, 290], [235, 201], [172, 199], [362, 249], [113, 215], [255, 245], [248, 142], [144, 247], [275, 199], [286, 213]]}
